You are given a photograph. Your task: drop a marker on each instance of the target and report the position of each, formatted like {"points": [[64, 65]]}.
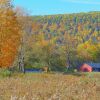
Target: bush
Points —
{"points": [[36, 65], [5, 73], [71, 70]]}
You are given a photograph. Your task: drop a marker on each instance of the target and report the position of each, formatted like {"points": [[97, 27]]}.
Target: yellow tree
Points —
{"points": [[71, 43], [9, 34], [88, 51]]}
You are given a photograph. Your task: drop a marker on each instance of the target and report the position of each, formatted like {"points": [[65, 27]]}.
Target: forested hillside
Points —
{"points": [[64, 40], [84, 25]]}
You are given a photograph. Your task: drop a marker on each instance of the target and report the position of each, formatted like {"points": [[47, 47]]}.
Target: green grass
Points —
{"points": [[51, 86]]}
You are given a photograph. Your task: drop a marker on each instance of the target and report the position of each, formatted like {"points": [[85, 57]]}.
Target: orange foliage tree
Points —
{"points": [[9, 34]]}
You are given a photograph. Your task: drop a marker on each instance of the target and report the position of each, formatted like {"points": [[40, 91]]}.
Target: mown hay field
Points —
{"points": [[35, 86]]}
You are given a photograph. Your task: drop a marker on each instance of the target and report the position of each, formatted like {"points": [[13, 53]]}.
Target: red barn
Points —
{"points": [[85, 68]]}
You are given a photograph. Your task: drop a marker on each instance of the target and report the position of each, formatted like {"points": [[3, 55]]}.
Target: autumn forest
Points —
{"points": [[55, 41]]}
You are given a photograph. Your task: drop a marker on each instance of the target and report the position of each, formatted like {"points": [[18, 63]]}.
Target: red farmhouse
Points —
{"points": [[89, 67], [86, 68]]}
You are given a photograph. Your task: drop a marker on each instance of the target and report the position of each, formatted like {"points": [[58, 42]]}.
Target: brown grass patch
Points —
{"points": [[50, 87]]}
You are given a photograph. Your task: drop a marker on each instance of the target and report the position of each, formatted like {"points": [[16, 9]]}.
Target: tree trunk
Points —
{"points": [[21, 58]]}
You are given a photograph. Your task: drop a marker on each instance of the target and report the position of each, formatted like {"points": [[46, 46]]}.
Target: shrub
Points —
{"points": [[5, 73]]}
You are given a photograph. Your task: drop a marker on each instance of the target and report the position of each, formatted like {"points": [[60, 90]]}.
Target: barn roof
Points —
{"points": [[94, 65]]}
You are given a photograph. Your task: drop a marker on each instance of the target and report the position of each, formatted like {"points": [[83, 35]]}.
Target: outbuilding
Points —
{"points": [[89, 67]]}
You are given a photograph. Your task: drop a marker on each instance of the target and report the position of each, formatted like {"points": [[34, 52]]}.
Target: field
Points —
{"points": [[52, 86]]}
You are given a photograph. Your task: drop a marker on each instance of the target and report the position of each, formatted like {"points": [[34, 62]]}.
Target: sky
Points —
{"points": [[50, 7]]}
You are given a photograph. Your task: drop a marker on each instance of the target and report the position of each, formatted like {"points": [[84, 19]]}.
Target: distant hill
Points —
{"points": [[85, 25]]}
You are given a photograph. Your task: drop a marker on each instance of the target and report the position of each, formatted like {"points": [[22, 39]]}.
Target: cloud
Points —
{"points": [[84, 1]]}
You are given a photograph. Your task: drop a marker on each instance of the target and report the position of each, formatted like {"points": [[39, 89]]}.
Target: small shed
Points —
{"points": [[89, 67]]}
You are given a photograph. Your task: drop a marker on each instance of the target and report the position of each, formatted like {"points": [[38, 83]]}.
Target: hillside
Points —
{"points": [[84, 25], [63, 40]]}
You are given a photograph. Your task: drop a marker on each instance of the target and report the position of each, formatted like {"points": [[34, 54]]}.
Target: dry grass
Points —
{"points": [[50, 87]]}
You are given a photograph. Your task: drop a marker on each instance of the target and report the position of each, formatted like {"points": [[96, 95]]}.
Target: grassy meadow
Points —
{"points": [[50, 86]]}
